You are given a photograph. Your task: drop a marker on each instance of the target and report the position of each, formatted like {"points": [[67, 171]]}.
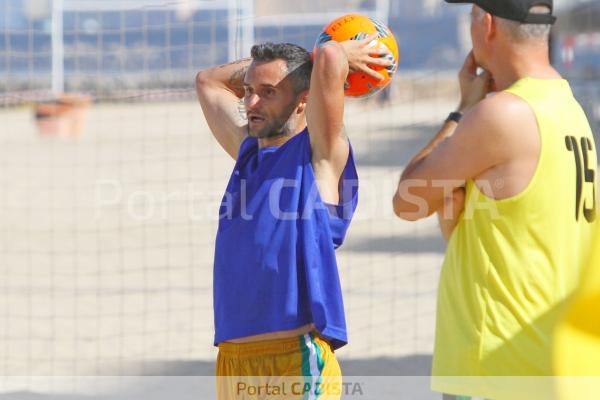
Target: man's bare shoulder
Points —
{"points": [[502, 119], [503, 112]]}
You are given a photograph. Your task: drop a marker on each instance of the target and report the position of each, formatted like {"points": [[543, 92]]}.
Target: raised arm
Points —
{"points": [[325, 105], [455, 154], [220, 91]]}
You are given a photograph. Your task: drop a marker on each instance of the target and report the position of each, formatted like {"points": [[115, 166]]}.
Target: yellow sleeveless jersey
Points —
{"points": [[511, 264]]}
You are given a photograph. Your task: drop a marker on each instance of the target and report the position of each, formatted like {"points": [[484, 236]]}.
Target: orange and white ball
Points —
{"points": [[358, 27]]}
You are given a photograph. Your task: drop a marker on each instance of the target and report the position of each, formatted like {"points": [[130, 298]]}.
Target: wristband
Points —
{"points": [[454, 116]]}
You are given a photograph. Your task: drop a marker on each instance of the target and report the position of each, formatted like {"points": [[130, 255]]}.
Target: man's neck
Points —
{"points": [[522, 64], [276, 141]]}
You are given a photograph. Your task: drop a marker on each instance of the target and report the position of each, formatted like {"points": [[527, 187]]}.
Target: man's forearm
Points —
{"points": [[230, 76], [220, 90], [446, 131], [406, 208]]}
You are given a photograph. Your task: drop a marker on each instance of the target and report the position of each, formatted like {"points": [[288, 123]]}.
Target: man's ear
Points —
{"points": [[302, 100], [490, 26]]}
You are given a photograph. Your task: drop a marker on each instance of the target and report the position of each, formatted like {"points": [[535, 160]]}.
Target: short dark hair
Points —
{"points": [[297, 60]]}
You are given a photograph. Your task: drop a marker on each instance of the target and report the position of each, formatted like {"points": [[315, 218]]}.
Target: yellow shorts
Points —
{"points": [[302, 367]]}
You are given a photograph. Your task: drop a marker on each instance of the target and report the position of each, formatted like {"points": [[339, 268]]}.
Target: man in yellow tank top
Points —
{"points": [[514, 183]]}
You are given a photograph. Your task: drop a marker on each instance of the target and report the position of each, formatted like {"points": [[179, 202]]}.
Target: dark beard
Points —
{"points": [[280, 126]]}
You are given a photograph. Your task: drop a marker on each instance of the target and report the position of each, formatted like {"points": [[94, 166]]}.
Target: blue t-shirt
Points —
{"points": [[275, 266]]}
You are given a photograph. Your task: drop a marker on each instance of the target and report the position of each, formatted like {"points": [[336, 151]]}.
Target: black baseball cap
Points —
{"points": [[515, 10]]}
